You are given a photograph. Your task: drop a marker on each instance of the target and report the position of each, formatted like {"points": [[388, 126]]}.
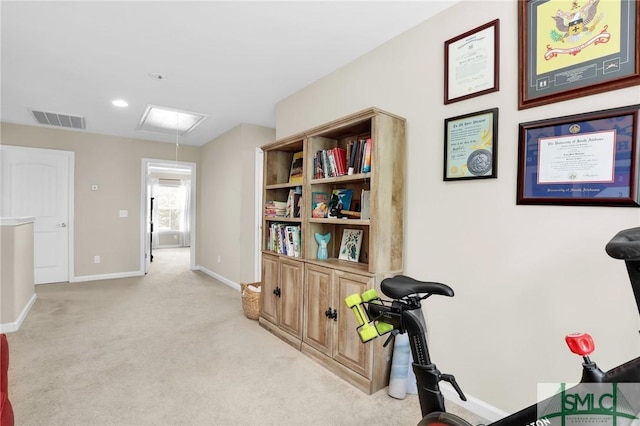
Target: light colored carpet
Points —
{"points": [[172, 348]]}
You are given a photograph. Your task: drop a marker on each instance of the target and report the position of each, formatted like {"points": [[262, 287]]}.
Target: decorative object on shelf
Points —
{"points": [[472, 63], [319, 204], [350, 246], [584, 159], [471, 146], [570, 50], [335, 207], [322, 241], [297, 172], [344, 196]]}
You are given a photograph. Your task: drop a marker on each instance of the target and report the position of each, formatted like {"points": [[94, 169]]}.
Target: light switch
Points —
{"points": [[124, 213]]}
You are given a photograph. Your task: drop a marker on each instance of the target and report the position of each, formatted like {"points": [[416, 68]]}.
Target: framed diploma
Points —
{"points": [[573, 48], [585, 159], [471, 146], [471, 63]]}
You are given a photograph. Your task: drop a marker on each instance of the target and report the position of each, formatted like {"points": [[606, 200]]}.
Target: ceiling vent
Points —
{"points": [[58, 120]]}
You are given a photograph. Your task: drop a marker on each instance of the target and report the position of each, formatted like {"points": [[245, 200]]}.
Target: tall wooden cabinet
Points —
{"points": [[303, 296]]}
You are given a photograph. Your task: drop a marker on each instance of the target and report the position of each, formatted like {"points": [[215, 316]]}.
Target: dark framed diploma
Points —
{"points": [[584, 159], [471, 146], [573, 48], [472, 63]]}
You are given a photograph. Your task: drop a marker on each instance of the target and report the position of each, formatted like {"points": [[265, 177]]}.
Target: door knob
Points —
{"points": [[62, 225]]}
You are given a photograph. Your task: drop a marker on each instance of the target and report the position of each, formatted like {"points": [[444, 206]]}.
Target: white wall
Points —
{"points": [[524, 276], [227, 204]]}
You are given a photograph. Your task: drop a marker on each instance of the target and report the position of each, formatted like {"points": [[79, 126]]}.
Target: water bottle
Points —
{"points": [[400, 365]]}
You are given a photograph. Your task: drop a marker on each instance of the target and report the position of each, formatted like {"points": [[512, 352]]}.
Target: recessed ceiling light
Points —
{"points": [[120, 103], [169, 120]]}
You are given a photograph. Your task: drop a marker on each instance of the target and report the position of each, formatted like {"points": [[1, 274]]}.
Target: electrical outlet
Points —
{"points": [[96, 259]]}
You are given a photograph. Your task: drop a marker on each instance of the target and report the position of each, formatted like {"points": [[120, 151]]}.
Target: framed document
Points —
{"points": [[585, 159], [572, 48], [471, 63], [471, 146]]}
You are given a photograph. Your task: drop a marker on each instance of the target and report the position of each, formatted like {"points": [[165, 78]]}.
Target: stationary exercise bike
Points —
{"points": [[403, 314]]}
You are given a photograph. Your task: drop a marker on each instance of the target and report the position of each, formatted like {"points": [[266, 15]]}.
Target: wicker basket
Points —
{"points": [[251, 301]]}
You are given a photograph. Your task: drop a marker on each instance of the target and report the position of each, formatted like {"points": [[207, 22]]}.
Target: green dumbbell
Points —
{"points": [[371, 296], [365, 330]]}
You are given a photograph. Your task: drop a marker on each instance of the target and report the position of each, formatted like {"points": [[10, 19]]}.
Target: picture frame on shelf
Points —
{"points": [[471, 146], [584, 159], [350, 245], [472, 63], [569, 49]]}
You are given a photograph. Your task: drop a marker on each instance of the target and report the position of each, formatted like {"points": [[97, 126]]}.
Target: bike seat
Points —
{"points": [[401, 286], [625, 245]]}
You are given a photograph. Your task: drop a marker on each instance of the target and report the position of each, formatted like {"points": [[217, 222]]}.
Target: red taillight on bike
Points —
{"points": [[580, 343]]}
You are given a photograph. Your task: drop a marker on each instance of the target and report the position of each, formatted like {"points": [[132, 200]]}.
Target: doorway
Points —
{"points": [[168, 207]]}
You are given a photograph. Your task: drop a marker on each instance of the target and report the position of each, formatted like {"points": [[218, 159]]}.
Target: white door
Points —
{"points": [[36, 183]]}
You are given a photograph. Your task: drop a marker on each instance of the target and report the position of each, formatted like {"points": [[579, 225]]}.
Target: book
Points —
{"points": [[350, 246], [344, 197], [340, 156], [297, 164], [366, 165], [294, 202], [318, 172], [319, 204], [365, 204]]}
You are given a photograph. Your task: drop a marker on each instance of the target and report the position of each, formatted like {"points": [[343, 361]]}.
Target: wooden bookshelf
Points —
{"points": [[317, 283]]}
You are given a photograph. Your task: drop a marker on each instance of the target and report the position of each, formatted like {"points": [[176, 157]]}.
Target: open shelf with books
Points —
{"points": [[348, 177]]}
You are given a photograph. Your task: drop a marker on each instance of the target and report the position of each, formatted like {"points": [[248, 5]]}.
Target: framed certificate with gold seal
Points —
{"points": [[471, 146]]}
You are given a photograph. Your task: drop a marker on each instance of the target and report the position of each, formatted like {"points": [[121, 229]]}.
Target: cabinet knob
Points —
{"points": [[277, 292]]}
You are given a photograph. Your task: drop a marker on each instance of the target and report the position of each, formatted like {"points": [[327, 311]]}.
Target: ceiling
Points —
{"points": [[232, 61]]}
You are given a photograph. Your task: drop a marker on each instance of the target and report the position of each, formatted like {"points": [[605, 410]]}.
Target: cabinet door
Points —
{"points": [[270, 281], [348, 349], [291, 274], [318, 297]]}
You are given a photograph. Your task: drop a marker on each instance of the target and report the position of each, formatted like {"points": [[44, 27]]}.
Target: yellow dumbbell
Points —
{"points": [[371, 296], [365, 330]]}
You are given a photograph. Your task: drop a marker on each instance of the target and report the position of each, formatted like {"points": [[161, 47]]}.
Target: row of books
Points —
{"points": [[359, 154], [330, 163], [356, 158], [285, 239]]}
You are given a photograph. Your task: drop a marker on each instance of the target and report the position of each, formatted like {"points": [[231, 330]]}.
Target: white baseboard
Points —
{"points": [[14, 326], [472, 404], [218, 277], [106, 276]]}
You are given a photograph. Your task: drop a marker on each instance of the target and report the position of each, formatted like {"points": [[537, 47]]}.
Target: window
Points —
{"points": [[170, 205]]}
